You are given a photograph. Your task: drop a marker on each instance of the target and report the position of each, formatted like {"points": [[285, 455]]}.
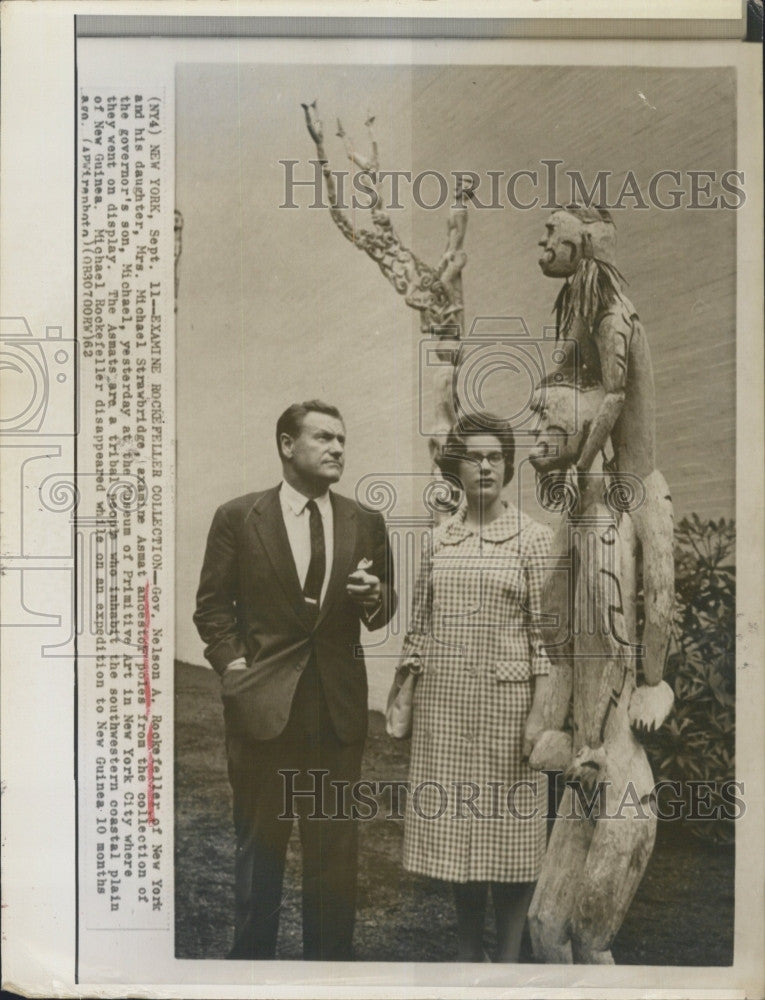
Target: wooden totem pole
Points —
{"points": [[616, 521]]}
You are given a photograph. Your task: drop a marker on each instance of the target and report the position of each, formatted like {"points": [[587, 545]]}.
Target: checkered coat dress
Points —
{"points": [[475, 812]]}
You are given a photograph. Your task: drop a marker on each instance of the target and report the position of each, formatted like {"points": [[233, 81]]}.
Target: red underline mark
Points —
{"points": [[147, 701]]}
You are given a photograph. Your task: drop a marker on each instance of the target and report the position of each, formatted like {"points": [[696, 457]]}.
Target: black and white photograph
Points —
{"points": [[298, 288]]}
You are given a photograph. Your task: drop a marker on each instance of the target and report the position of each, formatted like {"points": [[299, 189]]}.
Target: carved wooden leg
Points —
{"points": [[559, 886], [615, 864], [594, 958], [444, 415]]}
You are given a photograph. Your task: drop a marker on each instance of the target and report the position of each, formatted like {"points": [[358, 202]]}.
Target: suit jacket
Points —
{"points": [[250, 604]]}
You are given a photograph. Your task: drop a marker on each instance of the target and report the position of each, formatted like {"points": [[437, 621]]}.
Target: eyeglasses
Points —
{"points": [[494, 458]]}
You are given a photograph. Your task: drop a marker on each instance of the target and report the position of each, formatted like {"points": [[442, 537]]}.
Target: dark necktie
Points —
{"points": [[318, 564]]}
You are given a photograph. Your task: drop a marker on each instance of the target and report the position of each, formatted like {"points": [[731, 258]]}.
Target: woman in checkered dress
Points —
{"points": [[476, 811]]}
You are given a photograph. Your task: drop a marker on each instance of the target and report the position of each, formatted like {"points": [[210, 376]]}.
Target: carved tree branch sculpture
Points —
{"points": [[435, 292]]}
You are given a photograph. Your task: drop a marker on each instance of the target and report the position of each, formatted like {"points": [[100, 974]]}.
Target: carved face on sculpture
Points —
{"points": [[572, 236], [561, 246], [565, 413]]}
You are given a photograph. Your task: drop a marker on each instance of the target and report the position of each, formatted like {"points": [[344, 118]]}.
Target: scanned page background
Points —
{"points": [[248, 267]]}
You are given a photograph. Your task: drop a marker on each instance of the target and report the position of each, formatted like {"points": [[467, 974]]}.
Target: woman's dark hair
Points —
{"points": [[455, 447]]}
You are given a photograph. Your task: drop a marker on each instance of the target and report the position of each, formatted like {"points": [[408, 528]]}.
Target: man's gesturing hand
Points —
{"points": [[364, 588]]}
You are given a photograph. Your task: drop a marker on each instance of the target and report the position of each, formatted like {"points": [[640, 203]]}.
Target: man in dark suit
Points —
{"points": [[288, 576]]}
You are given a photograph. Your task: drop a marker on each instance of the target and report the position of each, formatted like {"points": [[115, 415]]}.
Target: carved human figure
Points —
{"points": [[603, 341], [594, 862]]}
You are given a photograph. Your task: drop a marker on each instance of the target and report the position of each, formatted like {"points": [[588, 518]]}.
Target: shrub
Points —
{"points": [[697, 742]]}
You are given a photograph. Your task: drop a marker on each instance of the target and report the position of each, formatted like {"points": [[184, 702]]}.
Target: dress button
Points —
{"points": [[472, 672], [468, 737], [298, 666]]}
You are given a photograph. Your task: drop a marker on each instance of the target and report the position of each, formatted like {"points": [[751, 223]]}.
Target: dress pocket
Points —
{"points": [[512, 671]]}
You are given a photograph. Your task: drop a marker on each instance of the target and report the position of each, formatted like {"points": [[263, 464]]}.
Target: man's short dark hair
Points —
{"points": [[291, 421], [456, 445]]}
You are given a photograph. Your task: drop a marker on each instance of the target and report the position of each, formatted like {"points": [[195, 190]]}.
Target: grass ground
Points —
{"points": [[682, 913]]}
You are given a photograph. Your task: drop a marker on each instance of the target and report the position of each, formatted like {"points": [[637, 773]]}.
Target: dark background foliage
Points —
{"points": [[697, 742]]}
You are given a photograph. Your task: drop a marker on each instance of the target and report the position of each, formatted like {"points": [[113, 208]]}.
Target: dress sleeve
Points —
{"points": [[418, 633], [535, 568]]}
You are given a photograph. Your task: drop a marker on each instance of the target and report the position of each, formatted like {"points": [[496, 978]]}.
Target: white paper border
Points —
{"points": [[38, 49]]}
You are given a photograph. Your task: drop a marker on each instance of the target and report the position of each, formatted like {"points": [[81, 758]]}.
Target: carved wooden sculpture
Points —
{"points": [[436, 292], [605, 342], [593, 863], [601, 397]]}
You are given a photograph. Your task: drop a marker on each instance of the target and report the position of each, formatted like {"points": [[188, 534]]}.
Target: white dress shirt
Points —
{"points": [[297, 522]]}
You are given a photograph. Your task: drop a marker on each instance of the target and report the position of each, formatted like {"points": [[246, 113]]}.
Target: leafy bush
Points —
{"points": [[697, 742]]}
